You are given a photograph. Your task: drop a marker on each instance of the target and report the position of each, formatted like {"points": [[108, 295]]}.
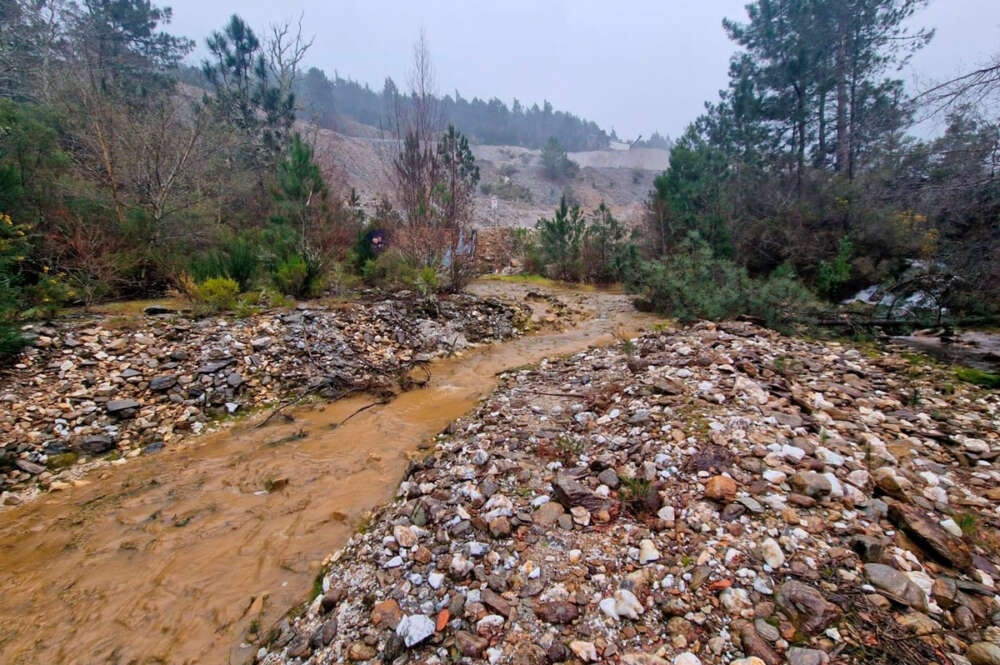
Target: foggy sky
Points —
{"points": [[632, 65]]}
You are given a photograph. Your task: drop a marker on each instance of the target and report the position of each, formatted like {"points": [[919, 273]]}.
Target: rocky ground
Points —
{"points": [[97, 388], [719, 494]]}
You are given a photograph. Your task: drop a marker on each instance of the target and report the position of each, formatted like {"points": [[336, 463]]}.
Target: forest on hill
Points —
{"points": [[327, 101]]}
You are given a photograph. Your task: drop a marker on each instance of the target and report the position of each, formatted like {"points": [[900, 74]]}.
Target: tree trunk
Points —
{"points": [[842, 152]]}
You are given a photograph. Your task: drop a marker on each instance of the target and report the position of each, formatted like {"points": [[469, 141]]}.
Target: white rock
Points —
{"points": [[607, 605], [734, 599], [394, 562], [584, 650], [415, 628], [687, 658], [648, 551], [774, 476], [666, 513], [827, 456], [627, 605], [772, 554], [792, 453], [435, 580]]}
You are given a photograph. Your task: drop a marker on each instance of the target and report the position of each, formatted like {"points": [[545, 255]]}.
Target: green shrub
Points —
{"points": [[238, 259], [299, 276], [218, 293], [832, 275], [693, 284]]}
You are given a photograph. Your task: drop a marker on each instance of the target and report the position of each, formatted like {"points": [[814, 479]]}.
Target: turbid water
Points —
{"points": [[178, 557]]}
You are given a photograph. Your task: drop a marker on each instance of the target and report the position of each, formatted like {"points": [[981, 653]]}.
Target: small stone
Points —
{"points": [[648, 551], [687, 658], [720, 488], [585, 651], [471, 646], [415, 628], [770, 552], [800, 656], [387, 613]]}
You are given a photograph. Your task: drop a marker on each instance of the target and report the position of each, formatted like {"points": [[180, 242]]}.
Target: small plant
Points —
{"points": [[968, 522], [218, 294], [569, 446], [780, 364], [914, 397], [635, 494]]}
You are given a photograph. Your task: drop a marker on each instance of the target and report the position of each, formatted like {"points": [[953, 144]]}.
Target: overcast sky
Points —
{"points": [[633, 65]]}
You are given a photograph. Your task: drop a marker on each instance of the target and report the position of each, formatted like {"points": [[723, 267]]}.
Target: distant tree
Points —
{"points": [[558, 166]]}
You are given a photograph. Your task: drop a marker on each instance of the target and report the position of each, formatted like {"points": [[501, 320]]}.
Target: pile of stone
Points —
{"points": [[720, 494], [88, 389]]}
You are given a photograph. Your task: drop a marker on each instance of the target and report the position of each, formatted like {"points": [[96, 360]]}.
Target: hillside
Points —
{"points": [[621, 178]]}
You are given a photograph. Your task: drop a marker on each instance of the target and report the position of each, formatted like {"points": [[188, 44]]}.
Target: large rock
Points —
{"points": [[896, 585], [806, 606], [720, 488], [931, 536], [95, 444], [122, 408], [810, 483], [162, 383], [570, 493]]}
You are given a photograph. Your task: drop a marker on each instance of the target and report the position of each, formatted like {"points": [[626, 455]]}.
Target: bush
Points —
{"points": [[237, 259], [218, 294], [299, 276], [693, 284]]}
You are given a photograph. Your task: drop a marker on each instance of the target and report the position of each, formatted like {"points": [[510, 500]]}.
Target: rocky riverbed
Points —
{"points": [[717, 494], [94, 390]]}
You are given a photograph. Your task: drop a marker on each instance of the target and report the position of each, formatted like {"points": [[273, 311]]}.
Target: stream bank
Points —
{"points": [[188, 555]]}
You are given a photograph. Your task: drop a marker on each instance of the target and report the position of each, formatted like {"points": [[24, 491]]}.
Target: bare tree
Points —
{"points": [[286, 47], [979, 88]]}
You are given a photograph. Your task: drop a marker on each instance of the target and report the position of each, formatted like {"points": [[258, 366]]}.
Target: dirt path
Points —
{"points": [[177, 558]]}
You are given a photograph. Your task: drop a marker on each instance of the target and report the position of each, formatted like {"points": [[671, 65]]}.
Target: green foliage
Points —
{"points": [[609, 254], [299, 276], [560, 241], [831, 275], [571, 249], [693, 284], [978, 377], [689, 198], [394, 270], [218, 294], [14, 249], [557, 164], [238, 258]]}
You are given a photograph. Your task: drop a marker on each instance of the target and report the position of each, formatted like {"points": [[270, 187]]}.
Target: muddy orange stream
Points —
{"points": [[176, 557]]}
